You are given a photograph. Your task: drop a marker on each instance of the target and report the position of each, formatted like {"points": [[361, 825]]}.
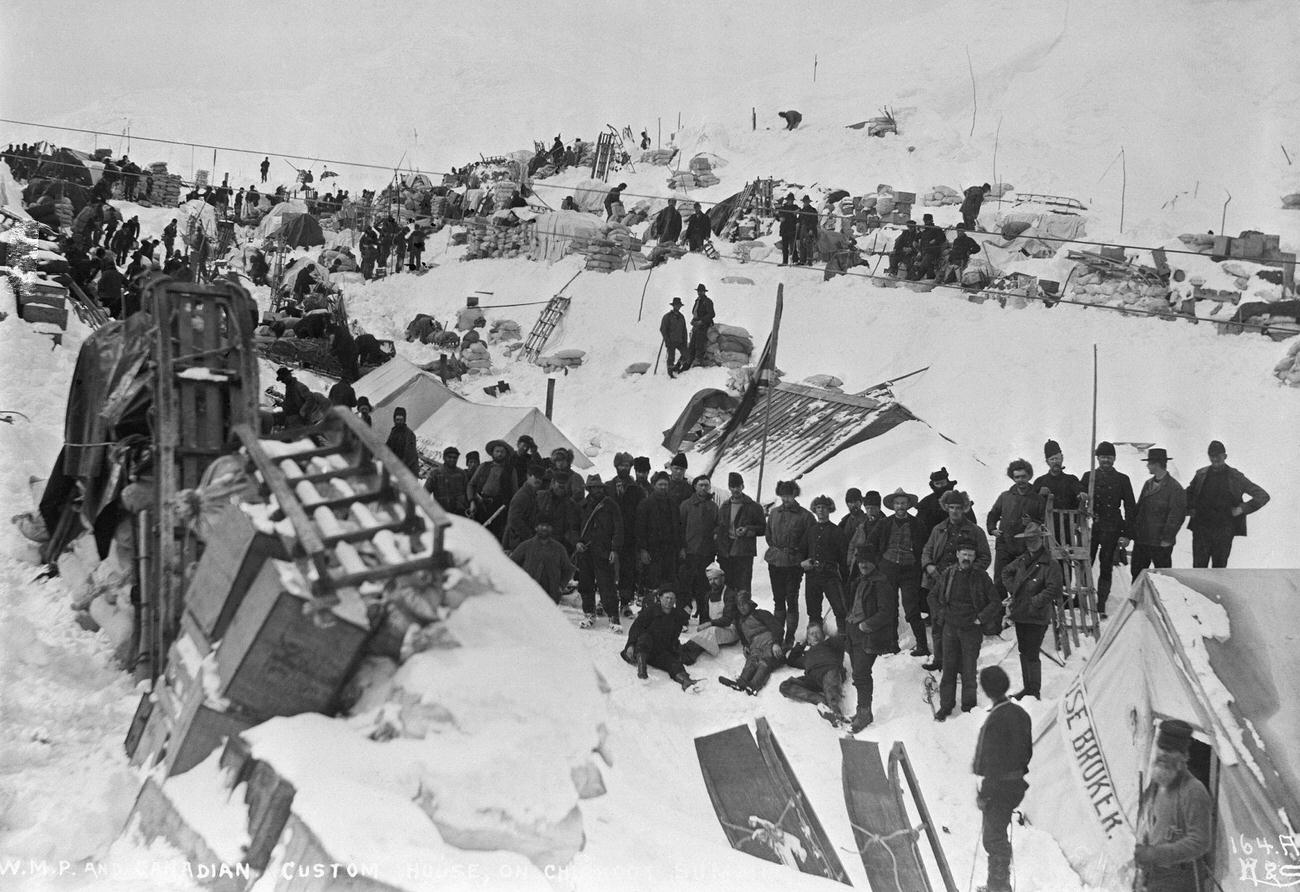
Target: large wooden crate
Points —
{"points": [[233, 557], [39, 303], [182, 732], [277, 660]]}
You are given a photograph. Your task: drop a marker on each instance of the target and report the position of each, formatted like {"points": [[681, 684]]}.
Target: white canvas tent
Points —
{"points": [[466, 425], [1219, 649], [554, 233], [400, 382]]}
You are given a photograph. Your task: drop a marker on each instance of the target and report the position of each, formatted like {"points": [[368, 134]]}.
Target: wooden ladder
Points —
{"points": [[358, 517], [1069, 536], [546, 322]]}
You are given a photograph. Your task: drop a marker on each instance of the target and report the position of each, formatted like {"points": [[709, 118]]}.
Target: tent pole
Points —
{"points": [[767, 410]]}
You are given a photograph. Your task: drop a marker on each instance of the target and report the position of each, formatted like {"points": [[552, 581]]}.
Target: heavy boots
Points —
{"points": [[684, 680], [640, 666], [1031, 679], [791, 626], [922, 648], [861, 718]]}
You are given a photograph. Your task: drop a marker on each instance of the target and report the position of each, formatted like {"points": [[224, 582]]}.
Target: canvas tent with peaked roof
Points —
{"points": [[400, 382], [1219, 649]]}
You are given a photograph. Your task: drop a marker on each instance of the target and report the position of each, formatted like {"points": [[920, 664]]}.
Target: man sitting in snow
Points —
{"points": [[653, 640], [822, 683], [760, 634]]}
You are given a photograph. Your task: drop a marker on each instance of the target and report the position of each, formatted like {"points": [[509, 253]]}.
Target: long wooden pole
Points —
{"points": [[1094, 610], [767, 410]]}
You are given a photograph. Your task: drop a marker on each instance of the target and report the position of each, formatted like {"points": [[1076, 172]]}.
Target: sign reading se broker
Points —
{"points": [[1089, 762]]}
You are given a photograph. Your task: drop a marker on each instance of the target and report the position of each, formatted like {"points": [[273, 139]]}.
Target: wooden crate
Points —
{"points": [[43, 307], [275, 660], [182, 732], [233, 558]]}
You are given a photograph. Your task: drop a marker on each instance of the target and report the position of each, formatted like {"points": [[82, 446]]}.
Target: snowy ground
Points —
{"points": [[1067, 87]]}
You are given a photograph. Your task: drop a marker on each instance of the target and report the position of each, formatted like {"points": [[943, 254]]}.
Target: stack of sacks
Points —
{"points": [[561, 359], [476, 357], [504, 330], [729, 345], [939, 196], [65, 212], [703, 171], [1291, 202], [1119, 290], [884, 201], [604, 256], [682, 179], [1288, 370], [739, 379], [488, 238], [657, 156]]}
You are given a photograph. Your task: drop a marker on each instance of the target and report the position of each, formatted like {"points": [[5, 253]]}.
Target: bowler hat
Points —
{"points": [[700, 287], [594, 480], [1155, 453]]}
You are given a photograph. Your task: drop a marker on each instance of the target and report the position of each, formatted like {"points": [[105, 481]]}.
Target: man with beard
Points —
{"points": [[600, 539], [627, 495], [1009, 514], [740, 523], [545, 560], [1034, 587], [658, 535], [699, 522], [1113, 508], [940, 553], [967, 607], [895, 546], [448, 485], [491, 486]]}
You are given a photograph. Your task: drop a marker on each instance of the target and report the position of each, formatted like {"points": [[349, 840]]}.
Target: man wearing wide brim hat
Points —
{"points": [[672, 328], [895, 546], [702, 315], [1175, 815], [1161, 510]]}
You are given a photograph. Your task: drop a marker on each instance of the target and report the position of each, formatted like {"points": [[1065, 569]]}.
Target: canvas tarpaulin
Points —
{"points": [[555, 232], [466, 425], [399, 382]]}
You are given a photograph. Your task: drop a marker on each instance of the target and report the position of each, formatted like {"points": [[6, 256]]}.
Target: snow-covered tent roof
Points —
{"points": [[1219, 649], [400, 382], [589, 195], [276, 217], [466, 425]]}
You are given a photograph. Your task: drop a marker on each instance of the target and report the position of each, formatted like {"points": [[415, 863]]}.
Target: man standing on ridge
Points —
{"points": [[1113, 509], [1002, 754], [672, 328], [702, 315], [265, 167], [1217, 507], [1161, 510]]}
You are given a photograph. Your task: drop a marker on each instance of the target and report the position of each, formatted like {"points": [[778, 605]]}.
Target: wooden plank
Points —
{"points": [[739, 785], [898, 758], [885, 839]]}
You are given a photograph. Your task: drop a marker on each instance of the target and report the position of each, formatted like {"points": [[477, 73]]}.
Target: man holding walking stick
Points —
{"points": [[672, 327]]}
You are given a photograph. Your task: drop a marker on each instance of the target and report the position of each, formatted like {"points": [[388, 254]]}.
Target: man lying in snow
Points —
{"points": [[822, 683], [653, 640]]}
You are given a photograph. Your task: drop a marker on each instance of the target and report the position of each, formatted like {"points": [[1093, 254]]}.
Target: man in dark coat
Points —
{"points": [[1034, 583], [807, 232], [615, 196], [1113, 508], [930, 245], [600, 539], [872, 629], [1217, 507], [792, 118], [265, 167], [940, 553], [401, 439], [759, 633], [740, 522], [698, 229], [1002, 754], [905, 249], [369, 247], [111, 284], [896, 546], [491, 486], [972, 200], [871, 518], [1009, 514], [702, 315], [679, 488], [521, 515], [627, 495], [787, 526], [654, 640], [1175, 818], [544, 559], [342, 394], [448, 484], [555, 500], [824, 548], [667, 225], [822, 683], [658, 535], [967, 608], [296, 395], [959, 254], [562, 470], [672, 328], [699, 524], [787, 212], [1161, 510], [850, 523], [1064, 488]]}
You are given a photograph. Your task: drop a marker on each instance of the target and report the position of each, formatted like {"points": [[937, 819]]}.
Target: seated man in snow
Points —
{"points": [[760, 633], [822, 683], [545, 559], [653, 639]]}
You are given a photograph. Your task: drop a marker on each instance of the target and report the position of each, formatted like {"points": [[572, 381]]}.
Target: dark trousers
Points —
{"points": [[693, 584], [673, 359], [695, 350], [1157, 556], [1002, 555], [740, 572], [414, 262], [827, 583], [785, 597], [1101, 547], [628, 572], [666, 662], [961, 651], [970, 218], [907, 582], [662, 569], [861, 662], [789, 249], [596, 573], [828, 689], [757, 670], [999, 799], [1211, 547], [1029, 641]]}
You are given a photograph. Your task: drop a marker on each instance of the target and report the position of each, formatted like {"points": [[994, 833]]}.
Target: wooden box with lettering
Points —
{"points": [[234, 554], [275, 659]]}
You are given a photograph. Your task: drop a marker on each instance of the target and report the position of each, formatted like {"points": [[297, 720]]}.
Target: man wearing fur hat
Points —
{"points": [[787, 524], [679, 488], [740, 523], [760, 635], [1161, 510], [1034, 588], [600, 539], [658, 535], [1217, 507], [563, 473], [940, 553], [895, 546], [1175, 815], [1017, 506], [699, 522], [628, 495], [641, 473], [824, 549], [1113, 508], [401, 440], [1064, 488], [966, 608], [929, 509]]}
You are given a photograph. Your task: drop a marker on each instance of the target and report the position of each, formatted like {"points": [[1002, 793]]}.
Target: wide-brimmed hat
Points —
{"points": [[700, 287], [594, 480], [676, 302], [1156, 453], [911, 499], [1032, 530], [493, 444]]}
